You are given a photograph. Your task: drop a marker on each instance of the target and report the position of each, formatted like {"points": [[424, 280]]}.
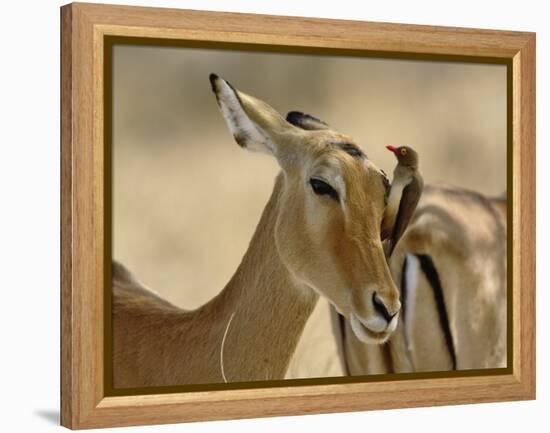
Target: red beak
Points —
{"points": [[391, 148]]}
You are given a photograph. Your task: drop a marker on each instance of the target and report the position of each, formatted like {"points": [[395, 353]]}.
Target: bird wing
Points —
{"points": [[407, 205]]}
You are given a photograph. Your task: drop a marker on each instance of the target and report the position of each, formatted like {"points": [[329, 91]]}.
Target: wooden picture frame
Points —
{"points": [[85, 28]]}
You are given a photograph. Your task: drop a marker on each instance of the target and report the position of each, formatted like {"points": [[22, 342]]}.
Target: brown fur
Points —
{"points": [[305, 245], [159, 344], [465, 234]]}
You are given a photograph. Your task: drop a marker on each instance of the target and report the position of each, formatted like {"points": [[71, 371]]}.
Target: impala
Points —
{"points": [[319, 235], [451, 266]]}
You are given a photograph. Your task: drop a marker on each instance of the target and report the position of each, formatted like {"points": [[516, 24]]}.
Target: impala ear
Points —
{"points": [[305, 121], [255, 125]]}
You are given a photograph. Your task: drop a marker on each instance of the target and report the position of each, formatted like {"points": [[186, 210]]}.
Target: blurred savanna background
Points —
{"points": [[187, 198]]}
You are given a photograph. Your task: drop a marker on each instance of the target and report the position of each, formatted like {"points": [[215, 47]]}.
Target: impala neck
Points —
{"points": [[268, 308]]}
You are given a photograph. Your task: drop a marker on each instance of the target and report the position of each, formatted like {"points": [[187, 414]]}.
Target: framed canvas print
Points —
{"points": [[265, 215]]}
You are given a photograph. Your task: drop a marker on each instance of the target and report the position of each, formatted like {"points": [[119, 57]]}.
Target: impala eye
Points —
{"points": [[322, 188]]}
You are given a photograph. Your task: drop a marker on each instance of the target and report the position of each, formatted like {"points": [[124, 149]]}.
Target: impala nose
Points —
{"points": [[382, 308]]}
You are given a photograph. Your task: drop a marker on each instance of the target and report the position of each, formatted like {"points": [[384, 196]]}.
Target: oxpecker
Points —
{"points": [[405, 192]]}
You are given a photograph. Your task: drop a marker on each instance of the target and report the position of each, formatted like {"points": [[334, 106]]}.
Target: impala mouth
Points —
{"points": [[372, 336]]}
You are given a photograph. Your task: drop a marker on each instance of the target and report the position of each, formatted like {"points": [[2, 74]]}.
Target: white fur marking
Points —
{"points": [[239, 123], [329, 172], [393, 323], [375, 324], [223, 344], [341, 186], [359, 329]]}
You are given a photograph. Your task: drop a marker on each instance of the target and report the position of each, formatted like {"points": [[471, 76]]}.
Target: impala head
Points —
{"points": [[330, 208]]}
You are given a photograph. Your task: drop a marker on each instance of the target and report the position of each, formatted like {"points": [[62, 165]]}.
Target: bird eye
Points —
{"points": [[403, 151], [322, 188]]}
